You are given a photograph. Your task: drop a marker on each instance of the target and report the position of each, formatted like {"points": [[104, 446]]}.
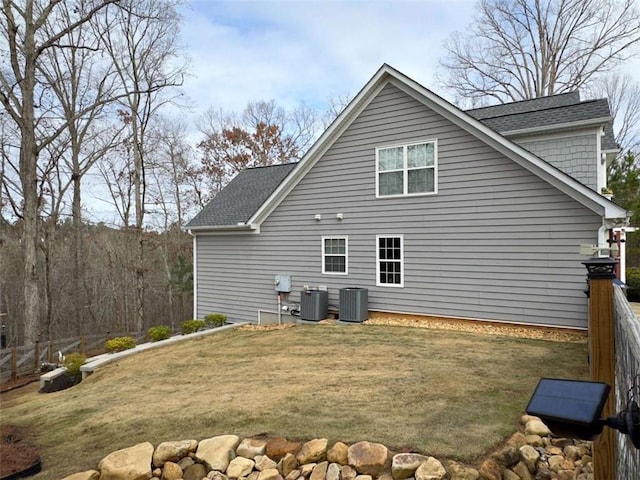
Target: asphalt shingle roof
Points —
{"points": [[546, 111], [242, 197]]}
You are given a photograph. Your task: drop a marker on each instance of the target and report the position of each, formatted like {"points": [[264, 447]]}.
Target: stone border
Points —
{"points": [[529, 454], [100, 360]]}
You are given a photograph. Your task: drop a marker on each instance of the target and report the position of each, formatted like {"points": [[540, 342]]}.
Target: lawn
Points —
{"points": [[447, 394]]}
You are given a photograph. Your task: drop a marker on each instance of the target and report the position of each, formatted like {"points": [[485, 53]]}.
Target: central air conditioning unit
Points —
{"points": [[314, 305], [354, 304]]}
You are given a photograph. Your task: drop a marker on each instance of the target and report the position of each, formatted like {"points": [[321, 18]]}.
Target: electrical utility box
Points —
{"points": [[283, 283], [314, 305]]}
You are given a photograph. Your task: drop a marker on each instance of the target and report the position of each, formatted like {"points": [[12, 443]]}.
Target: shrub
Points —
{"points": [[215, 319], [633, 280], [72, 363], [191, 326], [119, 344], [158, 333]]}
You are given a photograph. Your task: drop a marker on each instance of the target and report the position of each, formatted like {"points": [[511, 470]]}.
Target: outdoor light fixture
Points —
{"points": [[572, 409]]}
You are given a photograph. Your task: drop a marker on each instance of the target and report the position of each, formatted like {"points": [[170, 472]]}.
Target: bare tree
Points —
{"points": [[28, 29], [519, 49], [624, 100], [140, 39]]}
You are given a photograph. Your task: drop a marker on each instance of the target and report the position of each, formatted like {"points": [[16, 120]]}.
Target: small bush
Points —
{"points": [[191, 326], [158, 333], [633, 280], [215, 319], [72, 363], [119, 344]]}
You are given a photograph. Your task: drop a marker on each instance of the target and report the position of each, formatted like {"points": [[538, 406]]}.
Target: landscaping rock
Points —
{"points": [[305, 470], [185, 463], [333, 472], [369, 458], [215, 475], [217, 452], [87, 475], [133, 463], [507, 457], [278, 447], [157, 472], [287, 464], [534, 441], [460, 472], [517, 440], [536, 427], [364, 477], [251, 447], [348, 472], [530, 457], [522, 471], [432, 469], [263, 462], [490, 470], [173, 451], [338, 453], [293, 475], [171, 471], [195, 471], [312, 451], [240, 467], [509, 475], [404, 465], [270, 474], [319, 472]]}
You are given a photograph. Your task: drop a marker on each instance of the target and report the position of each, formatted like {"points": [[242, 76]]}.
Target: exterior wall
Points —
{"points": [[576, 155], [495, 243]]}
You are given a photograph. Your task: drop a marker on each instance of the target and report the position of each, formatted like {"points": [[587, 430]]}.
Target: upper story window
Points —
{"points": [[334, 255], [406, 169]]}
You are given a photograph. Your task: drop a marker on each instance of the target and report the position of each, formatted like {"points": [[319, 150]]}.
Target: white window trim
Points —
{"points": [[392, 285], [346, 253], [405, 169]]}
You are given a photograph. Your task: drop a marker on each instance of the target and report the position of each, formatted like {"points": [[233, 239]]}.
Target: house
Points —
{"points": [[436, 211]]}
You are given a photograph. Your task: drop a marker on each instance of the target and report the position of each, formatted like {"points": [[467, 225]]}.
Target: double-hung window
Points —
{"points": [[335, 255], [406, 169], [390, 260]]}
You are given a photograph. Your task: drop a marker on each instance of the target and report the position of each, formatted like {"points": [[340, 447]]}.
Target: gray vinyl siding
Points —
{"points": [[495, 243], [575, 155]]}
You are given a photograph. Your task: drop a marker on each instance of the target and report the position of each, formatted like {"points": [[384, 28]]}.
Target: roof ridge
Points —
{"points": [[573, 92]]}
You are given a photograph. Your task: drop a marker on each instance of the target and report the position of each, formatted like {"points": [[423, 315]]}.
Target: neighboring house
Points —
{"points": [[434, 210]]}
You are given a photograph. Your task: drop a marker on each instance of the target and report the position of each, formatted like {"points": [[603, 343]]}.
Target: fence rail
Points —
{"points": [[627, 332], [27, 359]]}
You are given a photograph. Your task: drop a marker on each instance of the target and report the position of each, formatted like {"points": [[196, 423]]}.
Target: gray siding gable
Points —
{"points": [[242, 197]]}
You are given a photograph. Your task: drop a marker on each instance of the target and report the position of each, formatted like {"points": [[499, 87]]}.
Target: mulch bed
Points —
{"points": [[20, 457]]}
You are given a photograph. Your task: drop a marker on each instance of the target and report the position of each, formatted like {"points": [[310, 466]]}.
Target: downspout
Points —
{"points": [[195, 274]]}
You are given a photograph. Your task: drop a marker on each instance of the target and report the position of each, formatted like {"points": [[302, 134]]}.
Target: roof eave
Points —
{"points": [[595, 122], [240, 227]]}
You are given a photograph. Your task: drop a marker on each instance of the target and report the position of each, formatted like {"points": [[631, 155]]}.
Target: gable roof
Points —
{"points": [[388, 75], [241, 198], [554, 112]]}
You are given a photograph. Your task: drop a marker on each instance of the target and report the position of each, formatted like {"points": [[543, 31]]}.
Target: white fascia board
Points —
{"points": [[240, 228], [567, 184]]}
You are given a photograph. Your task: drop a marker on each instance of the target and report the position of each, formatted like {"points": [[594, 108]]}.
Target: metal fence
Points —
{"points": [[27, 359], [627, 368]]}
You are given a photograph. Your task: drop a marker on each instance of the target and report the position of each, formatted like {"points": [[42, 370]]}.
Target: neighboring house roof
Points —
{"points": [[465, 120], [242, 197], [542, 114]]}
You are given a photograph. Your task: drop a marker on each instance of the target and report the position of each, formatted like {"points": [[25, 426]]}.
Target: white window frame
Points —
{"points": [[401, 261], [405, 169], [346, 254]]}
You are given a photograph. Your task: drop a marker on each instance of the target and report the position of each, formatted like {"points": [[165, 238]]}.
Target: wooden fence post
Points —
{"points": [[602, 356]]}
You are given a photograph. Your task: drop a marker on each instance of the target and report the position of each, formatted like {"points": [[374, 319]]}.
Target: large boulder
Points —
{"points": [[251, 447], [133, 463], [369, 458], [173, 451], [240, 467], [404, 465], [432, 469], [278, 447], [313, 451], [217, 452]]}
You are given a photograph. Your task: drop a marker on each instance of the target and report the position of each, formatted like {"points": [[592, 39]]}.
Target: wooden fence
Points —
{"points": [[627, 342], [27, 359]]}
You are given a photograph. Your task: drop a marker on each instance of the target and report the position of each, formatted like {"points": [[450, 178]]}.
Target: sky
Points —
{"points": [[307, 51]]}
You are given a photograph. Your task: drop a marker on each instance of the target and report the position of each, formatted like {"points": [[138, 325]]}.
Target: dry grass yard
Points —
{"points": [[448, 394]]}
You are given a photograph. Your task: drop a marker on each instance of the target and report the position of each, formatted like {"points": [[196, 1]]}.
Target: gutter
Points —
{"points": [[557, 126], [240, 227]]}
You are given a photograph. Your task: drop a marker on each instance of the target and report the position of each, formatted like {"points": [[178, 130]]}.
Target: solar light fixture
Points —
{"points": [[572, 409]]}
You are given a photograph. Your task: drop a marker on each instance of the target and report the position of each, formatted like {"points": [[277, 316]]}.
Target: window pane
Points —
{"points": [[420, 155], [335, 246], [390, 159], [390, 183], [390, 273], [335, 264]]}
